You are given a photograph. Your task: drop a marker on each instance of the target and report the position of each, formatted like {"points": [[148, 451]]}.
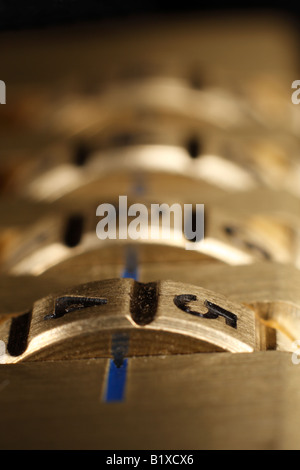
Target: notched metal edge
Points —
{"points": [[18, 334], [143, 302]]}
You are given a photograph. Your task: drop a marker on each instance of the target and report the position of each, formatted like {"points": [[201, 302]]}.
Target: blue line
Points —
{"points": [[116, 382], [131, 274], [131, 263]]}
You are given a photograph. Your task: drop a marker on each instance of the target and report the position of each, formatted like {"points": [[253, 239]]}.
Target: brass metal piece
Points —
{"points": [[156, 318], [203, 340], [197, 401], [256, 225]]}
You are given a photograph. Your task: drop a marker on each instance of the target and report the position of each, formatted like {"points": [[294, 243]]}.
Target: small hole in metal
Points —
{"points": [[194, 147], [74, 230]]}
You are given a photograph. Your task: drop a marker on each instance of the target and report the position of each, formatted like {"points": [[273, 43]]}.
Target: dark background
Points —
{"points": [[44, 13]]}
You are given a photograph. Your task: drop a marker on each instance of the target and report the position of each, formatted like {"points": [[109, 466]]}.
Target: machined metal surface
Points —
{"points": [[142, 343]]}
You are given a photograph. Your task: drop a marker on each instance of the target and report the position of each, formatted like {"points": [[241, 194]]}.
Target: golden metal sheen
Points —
{"points": [[179, 110], [156, 318]]}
